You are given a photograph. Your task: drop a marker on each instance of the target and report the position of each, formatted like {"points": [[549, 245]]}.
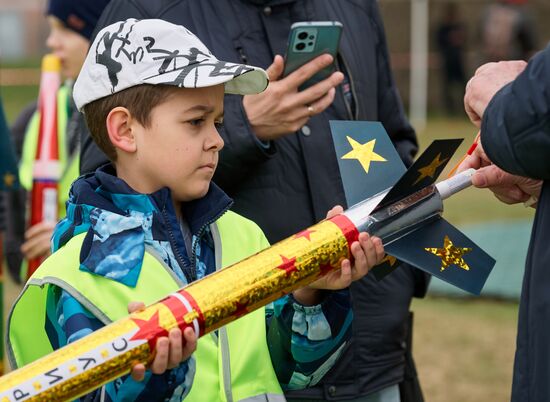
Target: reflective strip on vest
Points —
{"points": [[237, 368]]}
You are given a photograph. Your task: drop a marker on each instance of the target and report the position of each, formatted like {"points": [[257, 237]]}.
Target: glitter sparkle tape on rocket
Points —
{"points": [[65, 376], [229, 293], [206, 304]]}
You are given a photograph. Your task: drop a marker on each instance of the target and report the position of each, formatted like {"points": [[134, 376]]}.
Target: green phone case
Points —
{"points": [[306, 41]]}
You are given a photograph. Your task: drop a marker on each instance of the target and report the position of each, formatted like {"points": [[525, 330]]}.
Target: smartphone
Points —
{"points": [[306, 41]]}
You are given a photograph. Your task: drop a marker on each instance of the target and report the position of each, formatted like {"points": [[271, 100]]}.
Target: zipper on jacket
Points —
{"points": [[200, 233], [353, 93], [188, 270]]}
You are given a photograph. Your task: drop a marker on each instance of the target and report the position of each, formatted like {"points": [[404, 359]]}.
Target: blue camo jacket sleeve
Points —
{"points": [[67, 321], [306, 341]]}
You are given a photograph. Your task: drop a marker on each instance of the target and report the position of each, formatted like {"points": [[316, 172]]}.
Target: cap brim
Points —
{"points": [[239, 79]]}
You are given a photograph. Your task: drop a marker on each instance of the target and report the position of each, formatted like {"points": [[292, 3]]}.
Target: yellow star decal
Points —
{"points": [[9, 179], [364, 153], [450, 255], [389, 259], [429, 171]]}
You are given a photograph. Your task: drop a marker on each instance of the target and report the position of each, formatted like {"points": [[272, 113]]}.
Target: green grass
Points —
{"points": [[464, 349], [15, 98]]}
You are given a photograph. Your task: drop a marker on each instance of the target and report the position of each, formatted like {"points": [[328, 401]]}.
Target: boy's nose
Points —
{"points": [[215, 140]]}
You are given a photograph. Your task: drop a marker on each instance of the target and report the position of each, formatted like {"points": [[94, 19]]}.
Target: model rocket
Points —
{"points": [[46, 168], [395, 215]]}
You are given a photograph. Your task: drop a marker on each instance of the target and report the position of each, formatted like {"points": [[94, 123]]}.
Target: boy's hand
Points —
{"points": [[37, 240], [281, 109], [170, 351], [367, 252]]}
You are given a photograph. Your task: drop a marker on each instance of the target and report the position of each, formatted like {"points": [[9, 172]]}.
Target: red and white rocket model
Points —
{"points": [[46, 168]]}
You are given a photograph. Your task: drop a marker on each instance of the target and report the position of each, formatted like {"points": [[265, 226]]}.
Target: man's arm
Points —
{"points": [[515, 129]]}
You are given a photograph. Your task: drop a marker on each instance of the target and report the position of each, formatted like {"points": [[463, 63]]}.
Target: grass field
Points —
{"points": [[464, 348]]}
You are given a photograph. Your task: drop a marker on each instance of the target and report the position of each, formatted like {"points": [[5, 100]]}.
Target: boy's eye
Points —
{"points": [[219, 125], [196, 122]]}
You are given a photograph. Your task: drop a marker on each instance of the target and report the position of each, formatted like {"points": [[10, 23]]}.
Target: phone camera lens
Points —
{"points": [[302, 35], [310, 44], [311, 37], [300, 46]]}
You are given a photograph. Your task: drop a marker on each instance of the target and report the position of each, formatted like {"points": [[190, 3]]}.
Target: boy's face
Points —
{"points": [[179, 149], [69, 46]]}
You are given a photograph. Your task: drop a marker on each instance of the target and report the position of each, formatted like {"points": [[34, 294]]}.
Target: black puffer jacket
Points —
{"points": [[293, 183], [515, 133]]}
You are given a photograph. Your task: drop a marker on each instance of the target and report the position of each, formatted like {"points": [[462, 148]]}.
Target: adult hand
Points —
{"points": [[170, 351], [508, 188], [367, 252], [488, 80], [37, 240], [281, 109]]}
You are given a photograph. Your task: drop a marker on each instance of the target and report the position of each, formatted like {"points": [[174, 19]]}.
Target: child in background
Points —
{"points": [[71, 24]]}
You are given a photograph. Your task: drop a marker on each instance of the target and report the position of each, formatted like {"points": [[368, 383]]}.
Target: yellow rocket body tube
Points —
{"points": [[204, 305]]}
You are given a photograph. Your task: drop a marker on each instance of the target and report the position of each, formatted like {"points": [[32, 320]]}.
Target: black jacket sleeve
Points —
{"points": [[242, 149], [390, 107], [515, 130]]}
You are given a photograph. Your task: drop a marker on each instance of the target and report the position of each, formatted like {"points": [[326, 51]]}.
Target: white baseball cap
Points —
{"points": [[152, 51]]}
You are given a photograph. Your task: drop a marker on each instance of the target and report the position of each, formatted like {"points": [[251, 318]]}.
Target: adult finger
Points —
{"points": [[275, 70], [510, 195], [320, 105], [493, 176], [318, 90], [308, 70]]}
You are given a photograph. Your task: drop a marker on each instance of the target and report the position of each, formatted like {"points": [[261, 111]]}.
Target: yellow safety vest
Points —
{"points": [[234, 366]]}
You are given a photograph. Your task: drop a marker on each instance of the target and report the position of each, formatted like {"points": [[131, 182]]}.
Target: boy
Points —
{"points": [[152, 95]]}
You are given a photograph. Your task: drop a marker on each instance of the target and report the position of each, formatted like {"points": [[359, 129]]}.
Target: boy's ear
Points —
{"points": [[119, 128]]}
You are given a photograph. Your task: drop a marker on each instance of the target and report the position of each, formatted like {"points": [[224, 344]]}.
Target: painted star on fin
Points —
{"points": [[364, 153], [390, 259], [9, 179], [429, 170], [450, 255]]}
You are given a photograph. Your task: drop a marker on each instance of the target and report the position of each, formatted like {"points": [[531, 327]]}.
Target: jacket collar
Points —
{"points": [[119, 222], [103, 190]]}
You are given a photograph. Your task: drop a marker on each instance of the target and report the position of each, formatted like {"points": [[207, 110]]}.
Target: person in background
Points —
{"points": [[451, 41], [71, 24], [510, 102], [508, 31]]}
